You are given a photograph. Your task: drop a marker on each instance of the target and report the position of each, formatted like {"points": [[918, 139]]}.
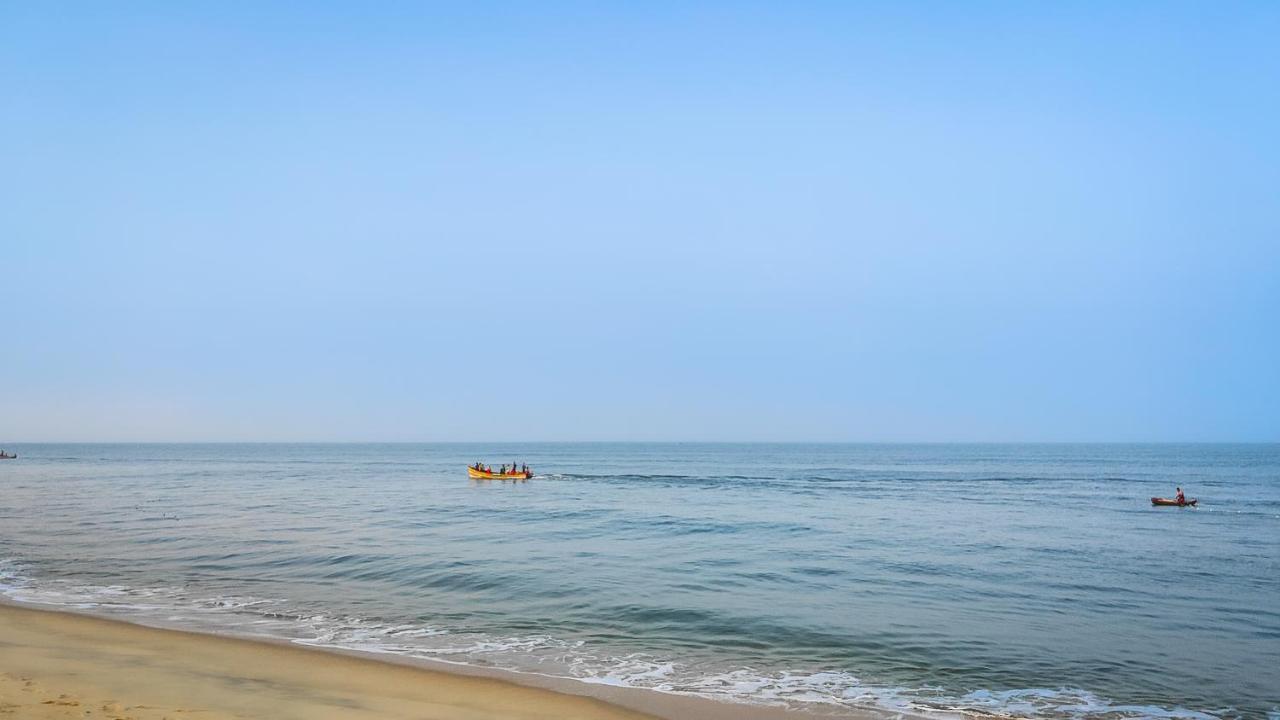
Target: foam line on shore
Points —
{"points": [[57, 662]]}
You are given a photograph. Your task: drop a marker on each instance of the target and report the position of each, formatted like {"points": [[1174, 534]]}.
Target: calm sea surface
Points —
{"points": [[1026, 579]]}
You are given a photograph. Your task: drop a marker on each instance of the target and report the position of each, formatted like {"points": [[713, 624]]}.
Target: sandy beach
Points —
{"points": [[60, 665]]}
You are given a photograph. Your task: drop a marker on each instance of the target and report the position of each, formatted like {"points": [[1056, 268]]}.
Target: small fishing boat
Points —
{"points": [[486, 475], [1173, 501], [8, 456]]}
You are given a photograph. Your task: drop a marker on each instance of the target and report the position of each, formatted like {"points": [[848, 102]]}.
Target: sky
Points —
{"points": [[701, 221]]}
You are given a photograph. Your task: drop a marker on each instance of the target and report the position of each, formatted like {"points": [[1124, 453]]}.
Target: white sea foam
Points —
{"points": [[268, 617]]}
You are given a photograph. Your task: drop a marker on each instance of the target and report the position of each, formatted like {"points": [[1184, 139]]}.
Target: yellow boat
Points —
{"points": [[482, 475]]}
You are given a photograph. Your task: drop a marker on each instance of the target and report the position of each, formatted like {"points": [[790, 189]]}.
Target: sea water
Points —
{"points": [[1031, 580]]}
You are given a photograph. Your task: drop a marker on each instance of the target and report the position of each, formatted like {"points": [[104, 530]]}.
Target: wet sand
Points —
{"points": [[58, 665]]}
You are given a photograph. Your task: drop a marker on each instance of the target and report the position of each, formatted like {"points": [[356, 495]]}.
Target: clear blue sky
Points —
{"points": [[690, 221]]}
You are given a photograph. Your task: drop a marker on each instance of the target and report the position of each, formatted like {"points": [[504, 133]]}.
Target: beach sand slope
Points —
{"points": [[59, 665]]}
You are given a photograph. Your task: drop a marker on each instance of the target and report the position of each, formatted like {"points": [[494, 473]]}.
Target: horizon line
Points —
{"points": [[640, 442]]}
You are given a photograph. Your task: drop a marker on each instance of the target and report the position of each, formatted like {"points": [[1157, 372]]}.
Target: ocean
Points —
{"points": [[1028, 580]]}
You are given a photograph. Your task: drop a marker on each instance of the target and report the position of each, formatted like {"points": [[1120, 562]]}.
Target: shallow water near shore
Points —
{"points": [[1020, 579]]}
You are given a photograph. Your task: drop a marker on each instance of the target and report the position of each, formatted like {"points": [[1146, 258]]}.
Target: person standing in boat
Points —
{"points": [[1180, 497]]}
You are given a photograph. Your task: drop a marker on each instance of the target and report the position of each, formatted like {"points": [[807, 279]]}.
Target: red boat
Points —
{"points": [[1173, 501]]}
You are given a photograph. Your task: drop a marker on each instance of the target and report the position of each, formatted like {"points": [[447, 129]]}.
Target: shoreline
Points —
{"points": [[57, 663]]}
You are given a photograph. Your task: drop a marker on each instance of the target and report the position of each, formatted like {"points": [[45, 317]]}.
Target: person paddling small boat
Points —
{"points": [[1180, 500]]}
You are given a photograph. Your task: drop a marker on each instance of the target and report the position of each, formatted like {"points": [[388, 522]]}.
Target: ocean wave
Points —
{"points": [[276, 618]]}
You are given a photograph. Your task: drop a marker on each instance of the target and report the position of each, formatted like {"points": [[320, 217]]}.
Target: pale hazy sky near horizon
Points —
{"points": [[642, 221]]}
